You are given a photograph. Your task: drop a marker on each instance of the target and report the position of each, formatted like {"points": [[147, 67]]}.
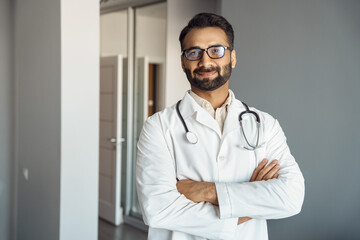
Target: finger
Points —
{"points": [[276, 176], [272, 172], [257, 170], [265, 170]]}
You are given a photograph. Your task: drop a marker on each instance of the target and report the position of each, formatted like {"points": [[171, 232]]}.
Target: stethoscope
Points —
{"points": [[193, 139]]}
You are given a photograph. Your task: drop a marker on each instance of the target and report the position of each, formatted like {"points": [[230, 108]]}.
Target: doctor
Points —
{"points": [[224, 180]]}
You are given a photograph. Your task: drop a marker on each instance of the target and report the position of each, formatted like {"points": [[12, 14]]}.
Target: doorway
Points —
{"points": [[135, 37]]}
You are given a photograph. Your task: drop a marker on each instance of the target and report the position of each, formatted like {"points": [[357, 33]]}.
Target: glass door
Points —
{"points": [[150, 42], [113, 115], [138, 36]]}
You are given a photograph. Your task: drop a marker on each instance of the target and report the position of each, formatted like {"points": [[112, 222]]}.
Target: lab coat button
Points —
{"points": [[222, 158]]}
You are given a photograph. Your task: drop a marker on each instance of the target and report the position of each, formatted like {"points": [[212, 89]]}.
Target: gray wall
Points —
{"points": [[57, 118], [300, 61], [6, 118], [38, 80]]}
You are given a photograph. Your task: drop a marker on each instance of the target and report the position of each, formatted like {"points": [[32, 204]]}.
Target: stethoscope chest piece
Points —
{"points": [[191, 137]]}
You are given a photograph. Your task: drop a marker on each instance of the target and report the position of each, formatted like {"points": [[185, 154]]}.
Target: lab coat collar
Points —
{"points": [[189, 107]]}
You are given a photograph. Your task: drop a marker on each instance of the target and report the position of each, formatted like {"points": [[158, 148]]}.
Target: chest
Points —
{"points": [[216, 158]]}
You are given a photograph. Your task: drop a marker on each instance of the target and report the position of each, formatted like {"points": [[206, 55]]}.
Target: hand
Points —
{"points": [[263, 172], [198, 191], [243, 219]]}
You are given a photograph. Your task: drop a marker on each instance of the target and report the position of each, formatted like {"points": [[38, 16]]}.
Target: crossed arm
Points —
{"points": [[206, 191]]}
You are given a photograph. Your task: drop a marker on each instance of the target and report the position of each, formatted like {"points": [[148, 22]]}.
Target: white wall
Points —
{"points": [[150, 36], [79, 120], [56, 66], [6, 119], [299, 61], [113, 33], [121, 4], [178, 15]]}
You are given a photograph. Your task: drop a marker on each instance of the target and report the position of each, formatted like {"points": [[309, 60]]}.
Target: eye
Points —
{"points": [[216, 52], [192, 52]]}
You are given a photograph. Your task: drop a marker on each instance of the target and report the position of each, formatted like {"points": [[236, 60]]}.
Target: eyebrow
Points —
{"points": [[193, 47], [196, 47]]}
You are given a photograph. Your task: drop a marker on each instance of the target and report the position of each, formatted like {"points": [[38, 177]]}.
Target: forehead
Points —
{"points": [[205, 37]]}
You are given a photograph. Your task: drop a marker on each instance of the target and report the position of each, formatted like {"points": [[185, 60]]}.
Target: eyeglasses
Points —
{"points": [[213, 52]]}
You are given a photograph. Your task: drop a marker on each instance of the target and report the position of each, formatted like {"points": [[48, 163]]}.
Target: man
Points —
{"points": [[202, 175]]}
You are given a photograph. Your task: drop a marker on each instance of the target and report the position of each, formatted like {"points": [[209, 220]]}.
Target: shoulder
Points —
{"points": [[264, 116], [163, 115], [161, 119]]}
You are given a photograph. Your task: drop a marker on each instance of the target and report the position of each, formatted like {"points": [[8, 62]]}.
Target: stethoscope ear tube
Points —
{"points": [[248, 111]]}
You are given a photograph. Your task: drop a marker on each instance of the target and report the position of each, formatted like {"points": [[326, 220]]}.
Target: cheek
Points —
{"points": [[224, 62], [190, 67]]}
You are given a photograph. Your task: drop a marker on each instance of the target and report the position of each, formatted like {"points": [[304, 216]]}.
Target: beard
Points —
{"points": [[206, 84]]}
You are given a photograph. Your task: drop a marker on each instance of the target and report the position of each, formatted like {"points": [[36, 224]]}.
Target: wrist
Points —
{"points": [[210, 193]]}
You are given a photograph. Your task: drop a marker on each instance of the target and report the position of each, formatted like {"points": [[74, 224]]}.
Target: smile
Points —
{"points": [[206, 74]]}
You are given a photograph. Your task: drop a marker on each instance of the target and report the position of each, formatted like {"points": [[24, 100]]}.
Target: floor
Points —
{"points": [[108, 231]]}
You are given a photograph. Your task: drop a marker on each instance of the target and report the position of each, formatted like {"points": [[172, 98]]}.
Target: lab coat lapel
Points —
{"points": [[203, 117], [189, 107]]}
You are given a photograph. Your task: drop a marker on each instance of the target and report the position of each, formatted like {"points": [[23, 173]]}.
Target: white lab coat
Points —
{"points": [[164, 154]]}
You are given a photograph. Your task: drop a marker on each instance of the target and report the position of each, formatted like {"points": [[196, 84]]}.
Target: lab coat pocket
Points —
{"points": [[193, 161], [239, 166]]}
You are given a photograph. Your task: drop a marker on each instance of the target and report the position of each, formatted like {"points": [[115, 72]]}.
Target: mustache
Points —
{"points": [[209, 69]]}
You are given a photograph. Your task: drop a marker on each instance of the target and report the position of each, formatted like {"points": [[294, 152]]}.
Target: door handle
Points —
{"points": [[114, 140]]}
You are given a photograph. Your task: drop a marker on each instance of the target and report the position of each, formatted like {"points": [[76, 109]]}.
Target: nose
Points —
{"points": [[205, 60]]}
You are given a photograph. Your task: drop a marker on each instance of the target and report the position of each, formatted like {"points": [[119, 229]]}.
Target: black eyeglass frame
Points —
{"points": [[205, 50]]}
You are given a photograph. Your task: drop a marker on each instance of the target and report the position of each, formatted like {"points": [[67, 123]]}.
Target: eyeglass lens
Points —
{"points": [[197, 53]]}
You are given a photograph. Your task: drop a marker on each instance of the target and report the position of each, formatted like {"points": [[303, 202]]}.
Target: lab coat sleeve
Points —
{"points": [[271, 199], [162, 205]]}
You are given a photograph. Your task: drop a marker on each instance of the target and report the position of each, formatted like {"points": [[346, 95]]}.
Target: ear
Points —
{"points": [[182, 63], [233, 58]]}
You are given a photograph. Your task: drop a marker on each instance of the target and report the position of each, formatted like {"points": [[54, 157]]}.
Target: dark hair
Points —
{"points": [[203, 20]]}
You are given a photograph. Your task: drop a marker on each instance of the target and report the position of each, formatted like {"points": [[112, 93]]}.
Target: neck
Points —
{"points": [[216, 97]]}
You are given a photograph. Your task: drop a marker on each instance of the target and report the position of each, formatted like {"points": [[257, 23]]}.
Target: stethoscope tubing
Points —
{"points": [[192, 138], [248, 111]]}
